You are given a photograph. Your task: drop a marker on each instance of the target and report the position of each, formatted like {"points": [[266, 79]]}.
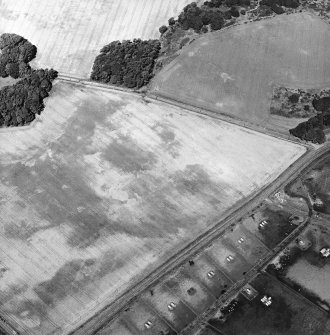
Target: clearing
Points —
{"points": [[234, 71], [70, 33], [102, 188]]}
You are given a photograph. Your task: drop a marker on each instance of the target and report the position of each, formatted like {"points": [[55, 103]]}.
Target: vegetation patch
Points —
{"points": [[298, 103], [127, 63], [195, 20], [276, 5], [20, 102], [16, 53]]}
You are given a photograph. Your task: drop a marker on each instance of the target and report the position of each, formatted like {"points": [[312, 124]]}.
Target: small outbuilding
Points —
{"points": [[267, 301]]}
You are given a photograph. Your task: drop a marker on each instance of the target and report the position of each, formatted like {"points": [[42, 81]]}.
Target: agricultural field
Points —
{"points": [[102, 188], [289, 314], [234, 71], [70, 33]]}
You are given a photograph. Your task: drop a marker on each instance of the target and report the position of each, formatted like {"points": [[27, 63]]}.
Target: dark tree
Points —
{"points": [[322, 104], [234, 12], [162, 29], [171, 21], [294, 98]]}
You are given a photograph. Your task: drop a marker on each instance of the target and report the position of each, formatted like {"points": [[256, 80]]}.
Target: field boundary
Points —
{"points": [[227, 118], [156, 97]]}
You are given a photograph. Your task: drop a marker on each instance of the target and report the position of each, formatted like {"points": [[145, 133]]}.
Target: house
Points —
{"points": [[325, 252]]}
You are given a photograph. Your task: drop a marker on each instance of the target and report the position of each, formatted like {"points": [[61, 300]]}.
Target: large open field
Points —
{"points": [[70, 33], [234, 71], [102, 188]]}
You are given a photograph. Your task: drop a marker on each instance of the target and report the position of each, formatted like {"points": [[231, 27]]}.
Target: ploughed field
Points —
{"points": [[103, 188], [233, 72], [70, 33]]}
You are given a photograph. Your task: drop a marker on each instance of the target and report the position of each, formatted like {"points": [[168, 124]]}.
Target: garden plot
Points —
{"points": [[102, 188], [203, 269], [246, 243], [233, 72], [179, 315], [139, 315], [70, 33], [190, 291], [229, 260]]}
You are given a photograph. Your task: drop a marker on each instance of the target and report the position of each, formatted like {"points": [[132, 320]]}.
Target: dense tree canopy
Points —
{"points": [[16, 53], [127, 63], [322, 104], [312, 130], [196, 18], [275, 5], [20, 102]]}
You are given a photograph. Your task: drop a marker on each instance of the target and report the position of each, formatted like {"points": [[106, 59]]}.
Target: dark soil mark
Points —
{"points": [[63, 283], [127, 156]]}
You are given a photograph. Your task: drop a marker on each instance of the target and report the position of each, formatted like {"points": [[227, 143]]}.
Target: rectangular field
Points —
{"points": [[70, 33], [102, 188], [233, 71]]}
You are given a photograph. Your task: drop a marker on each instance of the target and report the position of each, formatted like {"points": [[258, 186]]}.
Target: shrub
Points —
{"points": [[294, 98], [171, 21]]}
